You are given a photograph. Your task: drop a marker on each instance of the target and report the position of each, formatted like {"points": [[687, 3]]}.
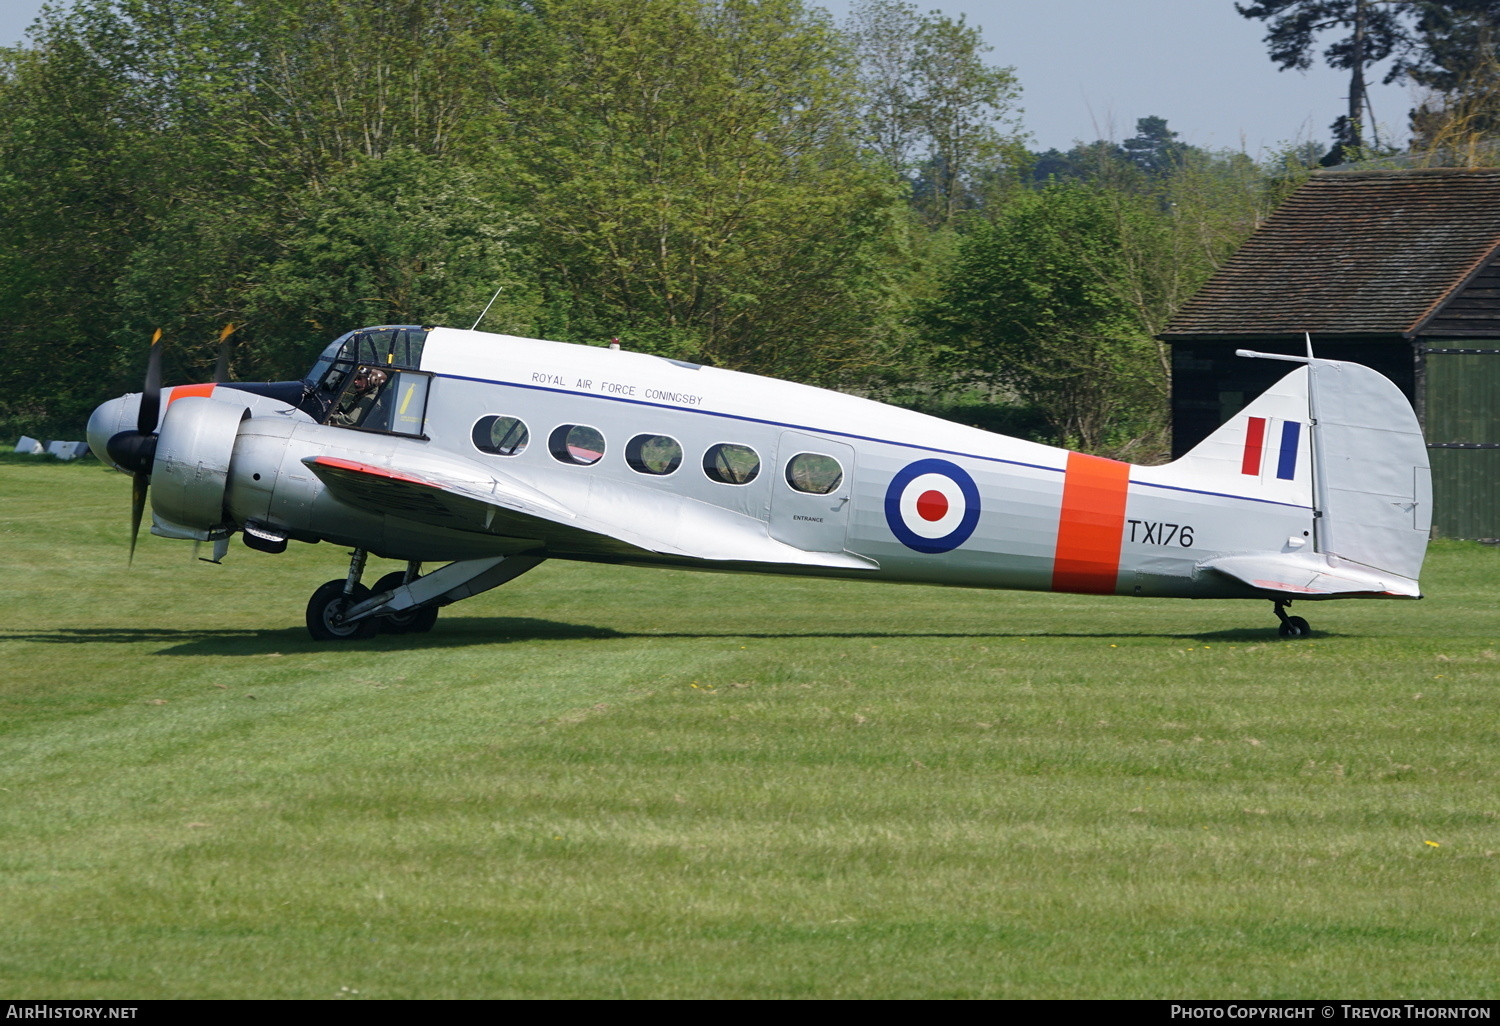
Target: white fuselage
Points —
{"points": [[626, 458], [1025, 536]]}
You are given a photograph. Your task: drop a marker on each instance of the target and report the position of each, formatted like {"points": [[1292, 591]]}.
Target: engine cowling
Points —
{"points": [[191, 470]]}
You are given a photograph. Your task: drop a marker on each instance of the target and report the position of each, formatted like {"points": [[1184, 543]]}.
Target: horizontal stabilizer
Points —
{"points": [[1311, 575]]}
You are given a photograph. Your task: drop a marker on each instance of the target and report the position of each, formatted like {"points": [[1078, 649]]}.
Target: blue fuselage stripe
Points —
{"points": [[846, 434]]}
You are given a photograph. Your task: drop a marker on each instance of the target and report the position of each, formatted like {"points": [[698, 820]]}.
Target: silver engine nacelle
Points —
{"points": [[191, 471]]}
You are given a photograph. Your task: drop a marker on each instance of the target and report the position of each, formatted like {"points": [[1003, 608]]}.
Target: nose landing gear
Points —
{"points": [[1291, 626]]}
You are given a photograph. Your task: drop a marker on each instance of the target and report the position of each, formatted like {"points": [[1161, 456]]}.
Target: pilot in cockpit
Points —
{"points": [[360, 397]]}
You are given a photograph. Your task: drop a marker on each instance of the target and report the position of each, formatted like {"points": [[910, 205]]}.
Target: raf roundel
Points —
{"points": [[932, 506]]}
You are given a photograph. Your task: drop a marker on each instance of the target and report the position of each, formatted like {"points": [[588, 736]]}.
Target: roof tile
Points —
{"points": [[1353, 252]]}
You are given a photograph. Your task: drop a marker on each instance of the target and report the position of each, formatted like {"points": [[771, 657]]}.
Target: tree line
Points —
{"points": [[737, 182]]}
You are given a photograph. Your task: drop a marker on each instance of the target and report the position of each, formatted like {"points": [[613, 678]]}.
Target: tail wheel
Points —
{"points": [[418, 620], [325, 614]]}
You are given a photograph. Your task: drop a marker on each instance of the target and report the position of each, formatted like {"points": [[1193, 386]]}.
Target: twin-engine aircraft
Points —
{"points": [[492, 453]]}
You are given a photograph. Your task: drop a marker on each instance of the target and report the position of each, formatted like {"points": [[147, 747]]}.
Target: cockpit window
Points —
{"points": [[379, 398], [390, 347]]}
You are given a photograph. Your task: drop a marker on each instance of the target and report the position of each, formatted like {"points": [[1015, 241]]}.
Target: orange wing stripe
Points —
{"points": [[1087, 559], [365, 468], [184, 391]]}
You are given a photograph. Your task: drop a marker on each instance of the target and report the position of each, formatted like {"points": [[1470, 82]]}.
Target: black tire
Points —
{"points": [[409, 621], [325, 606], [423, 620], [1294, 627]]}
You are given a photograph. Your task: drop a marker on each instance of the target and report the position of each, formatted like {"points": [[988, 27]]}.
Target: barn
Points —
{"points": [[1395, 269]]}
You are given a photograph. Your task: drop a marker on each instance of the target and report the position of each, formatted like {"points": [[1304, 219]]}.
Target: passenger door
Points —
{"points": [[811, 492]]}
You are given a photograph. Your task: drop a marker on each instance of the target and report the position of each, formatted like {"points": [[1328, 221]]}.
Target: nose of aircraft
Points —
{"points": [[108, 420]]}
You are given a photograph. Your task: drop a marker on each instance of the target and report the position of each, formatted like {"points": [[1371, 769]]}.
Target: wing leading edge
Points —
{"points": [[509, 509]]}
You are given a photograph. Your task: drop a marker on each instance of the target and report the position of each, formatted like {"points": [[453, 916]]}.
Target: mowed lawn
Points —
{"points": [[603, 782]]}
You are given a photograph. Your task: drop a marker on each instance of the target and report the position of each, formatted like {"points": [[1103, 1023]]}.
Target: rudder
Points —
{"points": [[1372, 478]]}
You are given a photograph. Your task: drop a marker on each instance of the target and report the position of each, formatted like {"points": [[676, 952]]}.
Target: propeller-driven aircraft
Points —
{"points": [[493, 453]]}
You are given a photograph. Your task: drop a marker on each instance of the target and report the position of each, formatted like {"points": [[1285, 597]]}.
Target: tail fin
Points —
{"points": [[1264, 451], [1342, 439]]}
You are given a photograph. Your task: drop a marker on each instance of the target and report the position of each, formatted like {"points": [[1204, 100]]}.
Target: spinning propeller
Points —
{"points": [[136, 450], [221, 368]]}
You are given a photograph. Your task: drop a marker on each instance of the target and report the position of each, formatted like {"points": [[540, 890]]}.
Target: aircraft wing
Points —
{"points": [[1311, 575], [456, 498]]}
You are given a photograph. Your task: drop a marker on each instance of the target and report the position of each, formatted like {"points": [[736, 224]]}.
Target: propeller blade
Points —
{"points": [[221, 369], [137, 507], [151, 398]]}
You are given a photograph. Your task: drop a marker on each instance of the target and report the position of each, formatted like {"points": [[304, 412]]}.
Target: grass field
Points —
{"points": [[619, 783]]}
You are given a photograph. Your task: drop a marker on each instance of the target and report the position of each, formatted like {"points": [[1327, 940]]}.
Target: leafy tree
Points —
{"points": [[404, 238], [934, 110], [1456, 58], [76, 183], [1038, 302], [1139, 164], [1154, 148], [693, 170], [1084, 162], [1454, 39], [156, 156], [1377, 30], [883, 34]]}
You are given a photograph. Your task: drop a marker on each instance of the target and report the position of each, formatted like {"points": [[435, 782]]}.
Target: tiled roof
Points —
{"points": [[1354, 253]]}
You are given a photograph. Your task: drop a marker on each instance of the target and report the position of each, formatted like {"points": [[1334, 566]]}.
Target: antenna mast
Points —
{"points": [[487, 307]]}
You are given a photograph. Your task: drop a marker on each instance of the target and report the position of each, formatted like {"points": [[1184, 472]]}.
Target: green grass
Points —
{"points": [[603, 782]]}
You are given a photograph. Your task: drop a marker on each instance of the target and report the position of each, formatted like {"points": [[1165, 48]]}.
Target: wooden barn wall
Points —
{"points": [[1474, 312], [1463, 409], [1465, 492], [1210, 384]]}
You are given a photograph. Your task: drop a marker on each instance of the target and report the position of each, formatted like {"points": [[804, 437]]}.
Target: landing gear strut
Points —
{"points": [[404, 602], [417, 620], [1291, 626], [329, 604]]}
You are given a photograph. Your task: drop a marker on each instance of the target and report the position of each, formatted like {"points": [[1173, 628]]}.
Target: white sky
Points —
{"points": [[1090, 68]]}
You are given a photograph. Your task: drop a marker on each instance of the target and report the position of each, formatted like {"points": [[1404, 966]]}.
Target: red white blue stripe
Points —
{"points": [[1253, 458]]}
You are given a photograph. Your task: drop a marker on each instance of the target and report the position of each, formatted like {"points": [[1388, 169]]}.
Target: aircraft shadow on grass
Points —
{"points": [[463, 632]]}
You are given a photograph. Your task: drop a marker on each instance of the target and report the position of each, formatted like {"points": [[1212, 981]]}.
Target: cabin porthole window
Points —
{"points": [[578, 444], [814, 473], [728, 463], [501, 436], [653, 454]]}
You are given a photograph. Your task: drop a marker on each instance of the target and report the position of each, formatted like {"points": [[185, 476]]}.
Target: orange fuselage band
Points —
{"points": [[1092, 524]]}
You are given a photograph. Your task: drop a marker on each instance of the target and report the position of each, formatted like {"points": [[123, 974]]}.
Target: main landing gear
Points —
{"points": [[1291, 626], [328, 610], [403, 602]]}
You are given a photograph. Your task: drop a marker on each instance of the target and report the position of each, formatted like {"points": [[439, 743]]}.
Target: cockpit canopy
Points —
{"points": [[390, 345]]}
